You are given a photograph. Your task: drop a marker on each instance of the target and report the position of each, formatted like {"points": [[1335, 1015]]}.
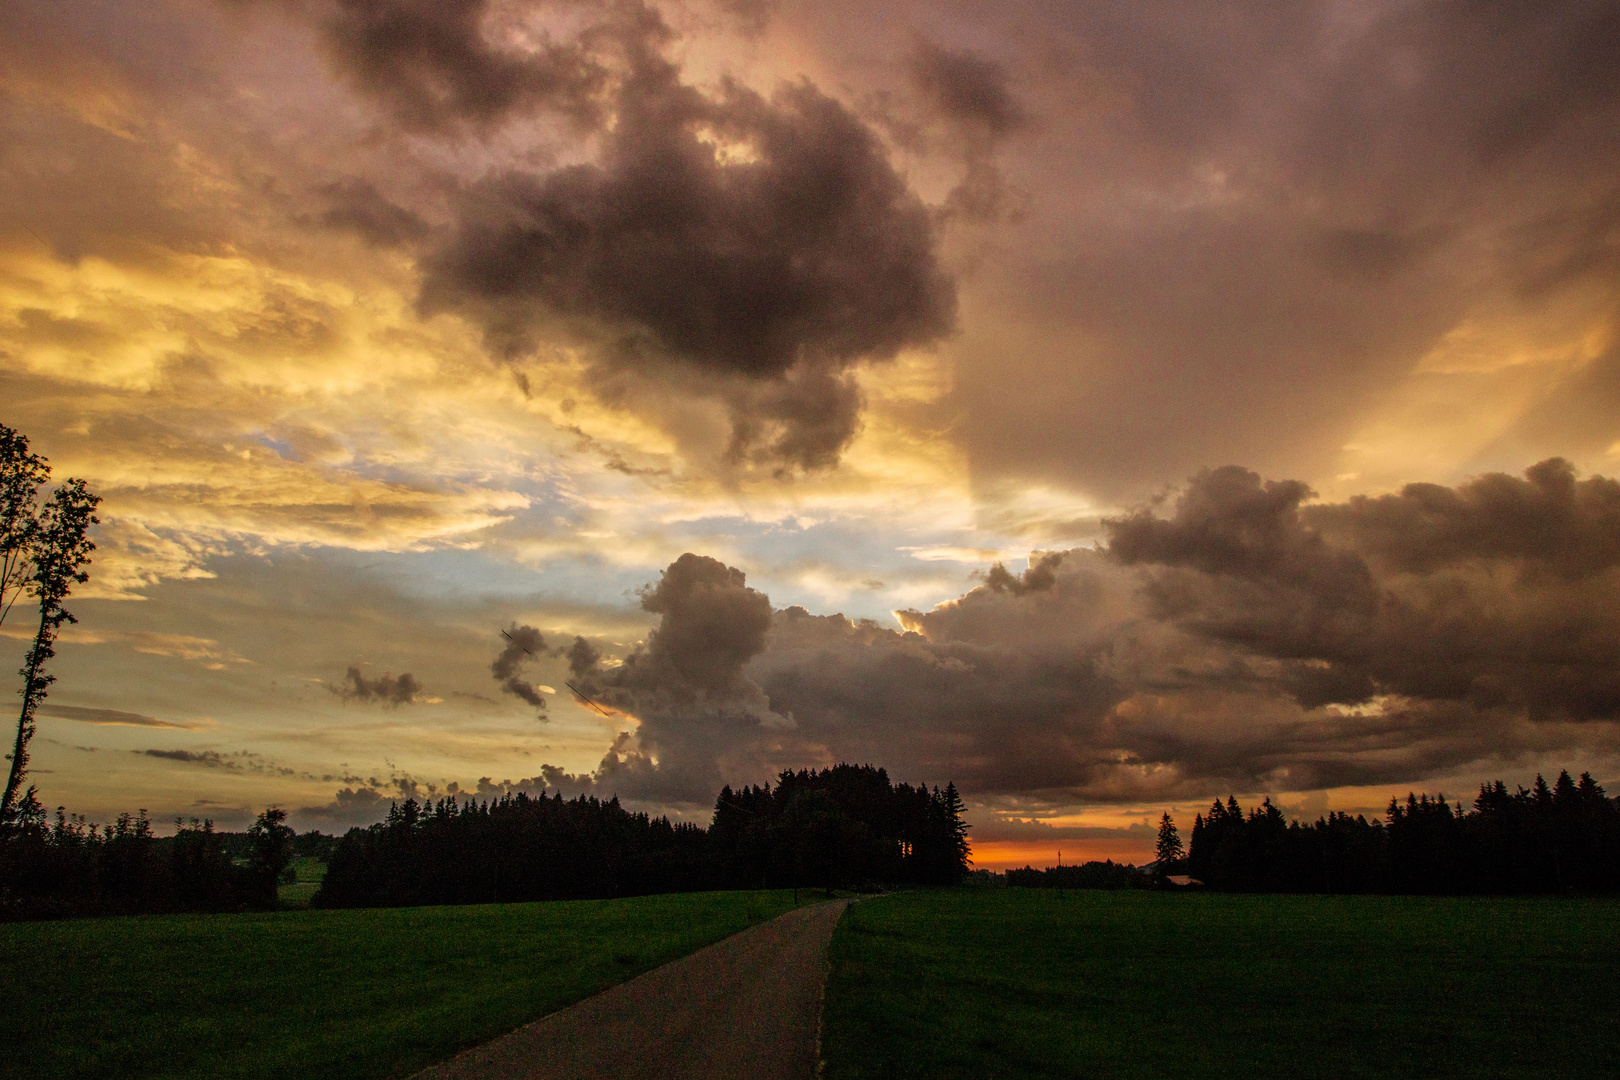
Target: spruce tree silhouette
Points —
{"points": [[1168, 852], [1550, 838]]}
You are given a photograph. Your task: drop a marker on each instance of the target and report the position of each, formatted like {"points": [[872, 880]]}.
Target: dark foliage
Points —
{"points": [[512, 849], [1091, 875], [270, 851], [73, 868], [43, 553], [1168, 851], [314, 845], [1559, 839], [846, 826]]}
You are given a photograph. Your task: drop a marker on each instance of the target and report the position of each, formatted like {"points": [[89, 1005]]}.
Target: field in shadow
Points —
{"points": [[363, 994], [1041, 983]]}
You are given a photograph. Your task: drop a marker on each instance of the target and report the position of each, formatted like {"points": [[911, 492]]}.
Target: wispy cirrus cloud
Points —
{"points": [[149, 642], [121, 718]]}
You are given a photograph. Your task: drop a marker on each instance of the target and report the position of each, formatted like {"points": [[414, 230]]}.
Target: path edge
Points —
{"points": [[436, 1070]]}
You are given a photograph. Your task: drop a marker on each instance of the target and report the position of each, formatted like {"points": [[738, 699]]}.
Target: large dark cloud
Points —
{"points": [[1238, 564], [965, 107], [814, 250], [1547, 522], [699, 714], [1244, 638], [724, 690], [735, 245], [965, 87], [1499, 594], [356, 206], [710, 624], [714, 244], [437, 64], [992, 714]]}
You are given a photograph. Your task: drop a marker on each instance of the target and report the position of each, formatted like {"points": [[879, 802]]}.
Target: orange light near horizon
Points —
{"points": [[1014, 854]]}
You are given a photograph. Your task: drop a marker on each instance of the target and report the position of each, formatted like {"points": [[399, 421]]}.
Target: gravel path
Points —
{"points": [[748, 1006]]}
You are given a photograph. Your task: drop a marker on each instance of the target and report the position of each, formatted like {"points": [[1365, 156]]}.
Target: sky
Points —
{"points": [[1106, 408]]}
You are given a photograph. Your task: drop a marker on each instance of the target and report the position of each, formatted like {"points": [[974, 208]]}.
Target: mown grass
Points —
{"points": [[1016, 983], [356, 994]]}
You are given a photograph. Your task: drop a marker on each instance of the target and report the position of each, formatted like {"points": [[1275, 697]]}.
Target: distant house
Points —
{"points": [[1184, 881]]}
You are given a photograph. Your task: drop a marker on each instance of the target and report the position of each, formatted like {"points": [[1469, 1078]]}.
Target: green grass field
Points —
{"points": [[298, 894], [358, 994], [1024, 983]]}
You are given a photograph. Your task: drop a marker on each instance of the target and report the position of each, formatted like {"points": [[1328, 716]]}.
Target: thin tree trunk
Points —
{"points": [[33, 690]]}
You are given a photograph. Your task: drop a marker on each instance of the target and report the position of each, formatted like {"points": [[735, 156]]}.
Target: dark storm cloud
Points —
{"points": [[1207, 661], [725, 691], [718, 245], [386, 689], [991, 715], [582, 656], [356, 206], [698, 710], [1500, 594], [1566, 56], [966, 109], [524, 644], [803, 419], [966, 88], [1548, 520], [1238, 564], [435, 62], [747, 247], [1243, 638], [1040, 575], [710, 625]]}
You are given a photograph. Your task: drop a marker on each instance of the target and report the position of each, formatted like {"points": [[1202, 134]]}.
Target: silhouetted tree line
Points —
{"points": [[69, 867], [1092, 875], [514, 848], [1545, 839], [846, 826]]}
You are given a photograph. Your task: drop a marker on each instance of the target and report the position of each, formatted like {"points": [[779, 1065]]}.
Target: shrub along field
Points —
{"points": [[363, 994], [1026, 983]]}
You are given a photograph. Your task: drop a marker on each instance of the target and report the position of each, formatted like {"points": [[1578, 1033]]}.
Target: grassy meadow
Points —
{"points": [[361, 994], [309, 872], [1038, 983]]}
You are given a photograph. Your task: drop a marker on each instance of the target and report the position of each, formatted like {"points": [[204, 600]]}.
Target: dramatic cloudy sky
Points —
{"points": [[1106, 407]]}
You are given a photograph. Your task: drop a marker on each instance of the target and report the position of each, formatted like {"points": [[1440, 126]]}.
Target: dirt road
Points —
{"points": [[747, 1006]]}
